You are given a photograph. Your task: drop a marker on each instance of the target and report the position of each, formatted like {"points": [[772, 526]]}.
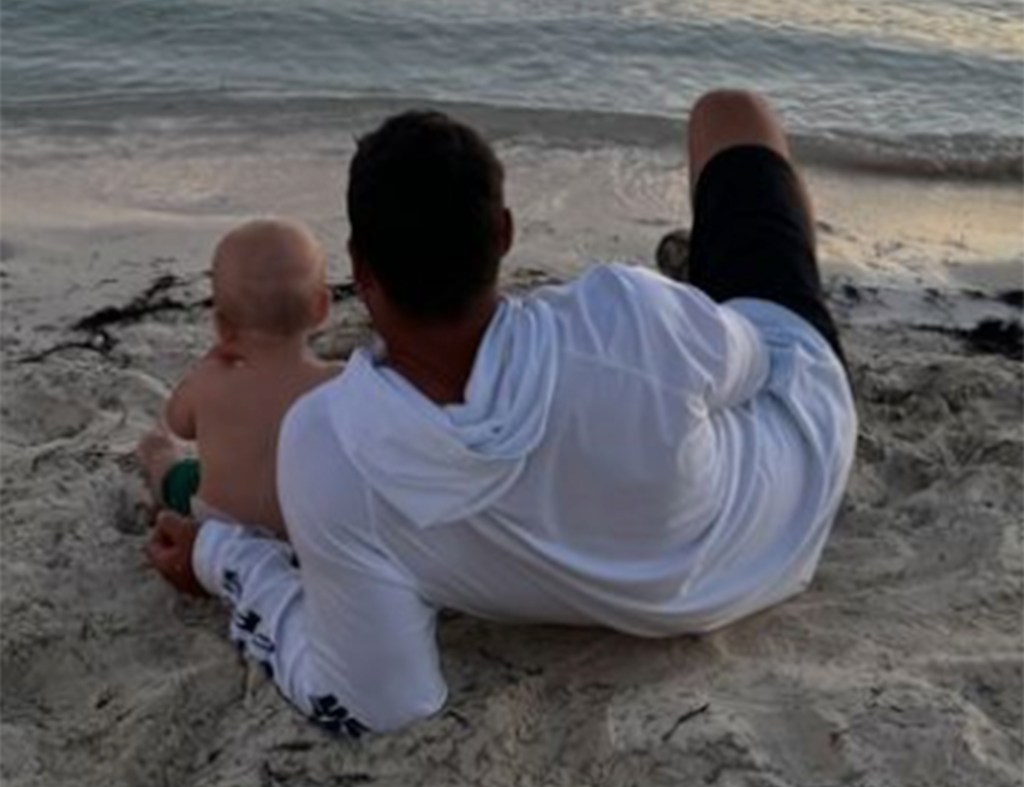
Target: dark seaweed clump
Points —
{"points": [[1001, 337]]}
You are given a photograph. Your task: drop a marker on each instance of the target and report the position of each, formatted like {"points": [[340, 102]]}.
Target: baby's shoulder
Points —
{"points": [[213, 373]]}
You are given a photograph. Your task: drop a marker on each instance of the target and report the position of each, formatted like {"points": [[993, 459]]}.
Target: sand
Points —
{"points": [[902, 665]]}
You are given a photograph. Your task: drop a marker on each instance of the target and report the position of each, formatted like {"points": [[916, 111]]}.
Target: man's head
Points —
{"points": [[268, 278], [427, 212]]}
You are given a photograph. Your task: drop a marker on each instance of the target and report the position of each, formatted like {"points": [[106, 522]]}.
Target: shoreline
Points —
{"points": [[87, 217], [960, 157]]}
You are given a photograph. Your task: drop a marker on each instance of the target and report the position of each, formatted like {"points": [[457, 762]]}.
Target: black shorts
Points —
{"points": [[753, 238]]}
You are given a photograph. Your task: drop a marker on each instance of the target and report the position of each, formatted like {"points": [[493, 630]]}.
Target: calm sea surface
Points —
{"points": [[941, 75]]}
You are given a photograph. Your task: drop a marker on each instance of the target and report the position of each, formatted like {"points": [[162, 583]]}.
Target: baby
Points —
{"points": [[269, 295]]}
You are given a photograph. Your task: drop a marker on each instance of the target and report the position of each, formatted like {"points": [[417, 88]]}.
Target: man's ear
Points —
{"points": [[367, 286], [360, 273], [507, 231]]}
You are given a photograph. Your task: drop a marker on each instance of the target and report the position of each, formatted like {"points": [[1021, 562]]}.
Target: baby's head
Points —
{"points": [[269, 280]]}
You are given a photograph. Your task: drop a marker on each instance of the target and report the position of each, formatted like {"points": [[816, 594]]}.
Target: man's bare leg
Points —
{"points": [[723, 119], [719, 120], [753, 230]]}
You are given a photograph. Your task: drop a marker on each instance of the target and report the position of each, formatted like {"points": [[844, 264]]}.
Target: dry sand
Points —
{"points": [[902, 665]]}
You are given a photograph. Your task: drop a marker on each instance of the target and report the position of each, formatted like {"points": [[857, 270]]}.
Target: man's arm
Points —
{"points": [[354, 656], [346, 637], [257, 576], [373, 635]]}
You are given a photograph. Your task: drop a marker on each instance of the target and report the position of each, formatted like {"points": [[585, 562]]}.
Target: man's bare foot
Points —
{"points": [[157, 453], [673, 255]]}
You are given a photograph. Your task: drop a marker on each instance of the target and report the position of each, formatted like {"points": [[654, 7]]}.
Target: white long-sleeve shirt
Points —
{"points": [[629, 454]]}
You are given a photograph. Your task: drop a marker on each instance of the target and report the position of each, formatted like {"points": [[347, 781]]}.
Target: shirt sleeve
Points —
{"points": [[258, 577], [351, 637], [347, 650]]}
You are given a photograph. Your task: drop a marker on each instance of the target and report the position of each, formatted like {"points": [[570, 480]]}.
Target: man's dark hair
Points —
{"points": [[425, 205]]}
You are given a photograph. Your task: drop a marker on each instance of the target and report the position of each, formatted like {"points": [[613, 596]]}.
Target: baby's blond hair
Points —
{"points": [[267, 275]]}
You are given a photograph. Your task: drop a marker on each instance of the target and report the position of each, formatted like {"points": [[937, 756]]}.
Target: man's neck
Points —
{"points": [[438, 358]]}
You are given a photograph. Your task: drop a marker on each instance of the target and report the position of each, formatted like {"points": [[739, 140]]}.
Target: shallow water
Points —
{"points": [[934, 79]]}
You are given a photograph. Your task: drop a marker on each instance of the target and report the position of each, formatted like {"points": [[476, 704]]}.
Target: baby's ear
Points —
{"points": [[321, 306], [225, 329]]}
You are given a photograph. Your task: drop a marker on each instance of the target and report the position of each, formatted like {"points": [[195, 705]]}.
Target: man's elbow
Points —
{"points": [[383, 717], [399, 713]]}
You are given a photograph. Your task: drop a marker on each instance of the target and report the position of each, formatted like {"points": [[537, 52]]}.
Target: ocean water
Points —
{"points": [[931, 85]]}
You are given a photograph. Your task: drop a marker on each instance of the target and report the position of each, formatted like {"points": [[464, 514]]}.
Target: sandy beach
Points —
{"points": [[902, 665]]}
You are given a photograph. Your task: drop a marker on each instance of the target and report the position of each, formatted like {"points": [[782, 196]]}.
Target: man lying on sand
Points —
{"points": [[624, 450], [269, 294]]}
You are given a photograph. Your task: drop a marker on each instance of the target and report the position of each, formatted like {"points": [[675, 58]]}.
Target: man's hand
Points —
{"points": [[170, 551]]}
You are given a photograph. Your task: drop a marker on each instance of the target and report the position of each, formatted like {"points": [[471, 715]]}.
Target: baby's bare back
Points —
{"points": [[238, 414]]}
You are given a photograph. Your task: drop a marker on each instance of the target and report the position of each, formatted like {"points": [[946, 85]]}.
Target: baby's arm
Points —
{"points": [[180, 412]]}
